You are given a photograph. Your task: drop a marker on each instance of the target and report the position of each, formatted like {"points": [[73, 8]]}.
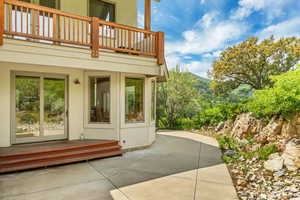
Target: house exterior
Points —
{"points": [[78, 69]]}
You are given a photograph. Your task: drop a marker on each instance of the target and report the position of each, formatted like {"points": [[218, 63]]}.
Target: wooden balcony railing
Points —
{"points": [[27, 21]]}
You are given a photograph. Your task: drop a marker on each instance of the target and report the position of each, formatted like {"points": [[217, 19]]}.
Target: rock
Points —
{"points": [[291, 155], [273, 128], [290, 128], [242, 183], [279, 173], [219, 126], [275, 162], [297, 198], [246, 125], [230, 153]]}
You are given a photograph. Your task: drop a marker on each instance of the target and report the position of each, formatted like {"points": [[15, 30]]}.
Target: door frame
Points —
{"points": [[41, 138]]}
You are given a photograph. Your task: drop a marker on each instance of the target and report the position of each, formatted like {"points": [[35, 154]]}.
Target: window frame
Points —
{"points": [[124, 124], [153, 121], [105, 1], [96, 125]]}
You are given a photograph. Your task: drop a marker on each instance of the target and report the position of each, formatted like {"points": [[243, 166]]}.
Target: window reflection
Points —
{"points": [[134, 100], [99, 92]]}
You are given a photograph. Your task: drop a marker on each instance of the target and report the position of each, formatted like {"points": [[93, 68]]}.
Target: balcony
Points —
{"points": [[26, 21]]}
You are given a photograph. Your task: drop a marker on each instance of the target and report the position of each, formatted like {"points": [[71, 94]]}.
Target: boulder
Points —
{"points": [[273, 128], [290, 128], [246, 125], [275, 163], [291, 155]]}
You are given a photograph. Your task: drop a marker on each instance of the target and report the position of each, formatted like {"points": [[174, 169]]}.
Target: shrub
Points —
{"points": [[282, 99], [185, 124], [228, 143], [219, 113], [266, 151]]}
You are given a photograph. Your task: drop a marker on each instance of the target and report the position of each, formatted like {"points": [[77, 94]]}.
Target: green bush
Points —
{"points": [[219, 113], [228, 143], [266, 151], [185, 124], [282, 99]]}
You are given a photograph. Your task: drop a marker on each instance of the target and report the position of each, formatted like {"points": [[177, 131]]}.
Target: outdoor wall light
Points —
{"points": [[76, 81]]}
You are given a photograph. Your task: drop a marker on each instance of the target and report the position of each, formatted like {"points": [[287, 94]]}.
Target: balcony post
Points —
{"points": [[147, 25], [1, 21], [160, 48], [95, 37]]}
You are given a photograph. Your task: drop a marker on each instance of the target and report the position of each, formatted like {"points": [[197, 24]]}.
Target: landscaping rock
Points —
{"points": [[246, 125], [275, 162], [290, 128], [273, 128], [291, 155], [230, 153]]}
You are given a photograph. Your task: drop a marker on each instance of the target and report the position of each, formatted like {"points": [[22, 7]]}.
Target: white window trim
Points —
{"points": [[146, 117], [112, 122], [153, 122]]}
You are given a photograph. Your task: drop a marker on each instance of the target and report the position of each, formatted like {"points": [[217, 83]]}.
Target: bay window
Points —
{"points": [[134, 100]]}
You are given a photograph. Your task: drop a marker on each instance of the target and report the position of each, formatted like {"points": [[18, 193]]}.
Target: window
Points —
{"points": [[99, 102], [153, 100], [47, 3], [134, 100], [102, 10]]}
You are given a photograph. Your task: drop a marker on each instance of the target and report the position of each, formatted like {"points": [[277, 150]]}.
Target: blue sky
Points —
{"points": [[198, 30]]}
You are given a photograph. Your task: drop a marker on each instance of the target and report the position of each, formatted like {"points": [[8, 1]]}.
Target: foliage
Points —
{"points": [[185, 124], [282, 99], [218, 113], [252, 62], [265, 151], [228, 143], [177, 98]]}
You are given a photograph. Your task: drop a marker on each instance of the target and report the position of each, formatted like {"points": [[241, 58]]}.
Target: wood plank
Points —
{"points": [[57, 156], [1, 21], [147, 25], [60, 162]]}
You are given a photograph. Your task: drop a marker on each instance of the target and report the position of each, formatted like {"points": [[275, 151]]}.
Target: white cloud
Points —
{"points": [[140, 20], [270, 8], [214, 37], [198, 67], [207, 20], [286, 28]]}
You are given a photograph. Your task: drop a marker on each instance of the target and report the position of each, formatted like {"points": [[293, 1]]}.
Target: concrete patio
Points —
{"points": [[180, 165]]}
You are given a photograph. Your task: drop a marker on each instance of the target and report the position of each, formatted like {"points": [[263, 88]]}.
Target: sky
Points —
{"points": [[196, 31]]}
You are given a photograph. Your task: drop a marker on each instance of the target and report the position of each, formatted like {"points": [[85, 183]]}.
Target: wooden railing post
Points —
{"points": [[160, 48], [95, 37], [1, 21]]}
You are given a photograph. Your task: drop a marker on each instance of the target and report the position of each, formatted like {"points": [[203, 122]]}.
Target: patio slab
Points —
{"points": [[179, 165]]}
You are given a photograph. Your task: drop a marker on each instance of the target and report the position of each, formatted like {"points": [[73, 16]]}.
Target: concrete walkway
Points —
{"points": [[180, 165]]}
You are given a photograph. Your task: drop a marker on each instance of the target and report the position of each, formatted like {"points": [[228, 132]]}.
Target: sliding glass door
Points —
{"points": [[39, 108]]}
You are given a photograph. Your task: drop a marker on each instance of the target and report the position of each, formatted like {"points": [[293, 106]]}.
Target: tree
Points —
{"points": [[177, 98], [252, 62]]}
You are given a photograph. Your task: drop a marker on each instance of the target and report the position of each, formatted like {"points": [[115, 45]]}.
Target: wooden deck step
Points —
{"points": [[60, 162], [38, 155]]}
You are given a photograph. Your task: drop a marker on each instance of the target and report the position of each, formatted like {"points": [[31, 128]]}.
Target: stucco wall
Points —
{"points": [[75, 98], [126, 10], [129, 135]]}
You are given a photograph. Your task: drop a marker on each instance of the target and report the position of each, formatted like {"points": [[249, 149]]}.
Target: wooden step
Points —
{"points": [[83, 157], [58, 150], [57, 156]]}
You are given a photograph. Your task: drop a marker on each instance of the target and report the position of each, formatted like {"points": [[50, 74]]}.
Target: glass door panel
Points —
{"points": [[54, 106], [40, 108], [27, 106]]}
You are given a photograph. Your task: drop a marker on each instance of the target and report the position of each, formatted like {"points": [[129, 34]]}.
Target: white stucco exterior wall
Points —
{"points": [[129, 135]]}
